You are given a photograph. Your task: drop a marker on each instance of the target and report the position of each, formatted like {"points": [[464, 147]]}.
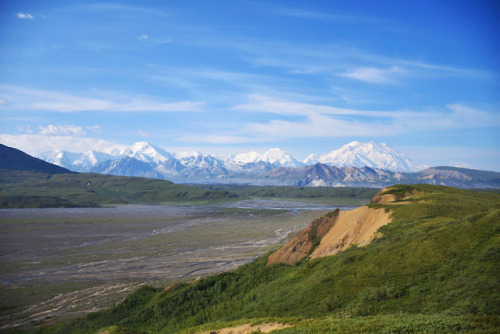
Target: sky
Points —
{"points": [[227, 77]]}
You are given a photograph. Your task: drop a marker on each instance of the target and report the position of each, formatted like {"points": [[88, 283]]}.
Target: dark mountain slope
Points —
{"points": [[14, 159]]}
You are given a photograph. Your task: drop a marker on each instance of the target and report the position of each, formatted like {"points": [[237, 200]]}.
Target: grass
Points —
{"points": [[20, 189], [435, 269]]}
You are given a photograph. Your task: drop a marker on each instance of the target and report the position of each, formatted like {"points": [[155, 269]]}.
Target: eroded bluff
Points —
{"points": [[336, 232]]}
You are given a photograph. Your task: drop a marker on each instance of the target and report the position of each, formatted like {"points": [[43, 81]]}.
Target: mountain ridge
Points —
{"points": [[275, 156], [354, 164]]}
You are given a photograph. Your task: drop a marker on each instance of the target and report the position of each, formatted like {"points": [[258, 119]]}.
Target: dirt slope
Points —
{"points": [[299, 246], [335, 232], [248, 328], [353, 227]]}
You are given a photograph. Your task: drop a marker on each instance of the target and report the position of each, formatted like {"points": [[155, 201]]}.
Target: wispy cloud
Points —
{"points": [[20, 98], [94, 128], [320, 126], [337, 58], [61, 130], [35, 144], [25, 16], [329, 16], [119, 8], [222, 139], [374, 75], [267, 104], [152, 40], [305, 120]]}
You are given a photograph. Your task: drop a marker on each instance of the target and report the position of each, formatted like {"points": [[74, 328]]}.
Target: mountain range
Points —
{"points": [[355, 164]]}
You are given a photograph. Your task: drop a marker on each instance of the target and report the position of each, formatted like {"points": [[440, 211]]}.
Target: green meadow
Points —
{"points": [[21, 189]]}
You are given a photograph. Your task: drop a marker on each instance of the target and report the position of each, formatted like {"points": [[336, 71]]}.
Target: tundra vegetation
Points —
{"points": [[22, 189], [433, 269]]}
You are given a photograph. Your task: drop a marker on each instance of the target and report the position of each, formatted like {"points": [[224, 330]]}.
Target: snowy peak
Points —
{"points": [[79, 162], [192, 164], [187, 155], [311, 159], [274, 156], [370, 154], [247, 158], [146, 152]]}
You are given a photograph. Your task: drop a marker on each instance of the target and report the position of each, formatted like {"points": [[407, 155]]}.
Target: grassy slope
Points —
{"points": [[33, 189], [435, 269]]}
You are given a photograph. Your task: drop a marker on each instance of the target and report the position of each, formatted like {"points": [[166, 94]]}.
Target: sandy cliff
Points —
{"points": [[335, 232]]}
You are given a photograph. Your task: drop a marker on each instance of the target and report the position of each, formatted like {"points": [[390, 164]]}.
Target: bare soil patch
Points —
{"points": [[336, 233], [249, 328], [352, 227]]}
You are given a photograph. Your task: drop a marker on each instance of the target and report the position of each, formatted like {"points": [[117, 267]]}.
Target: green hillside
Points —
{"points": [[34, 189], [434, 270]]}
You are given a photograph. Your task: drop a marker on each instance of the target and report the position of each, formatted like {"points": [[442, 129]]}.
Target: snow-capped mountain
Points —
{"points": [[146, 152], [280, 158], [370, 154], [247, 158], [274, 156], [78, 162], [145, 159]]}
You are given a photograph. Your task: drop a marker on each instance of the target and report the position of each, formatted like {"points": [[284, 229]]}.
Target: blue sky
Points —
{"points": [[233, 76]]}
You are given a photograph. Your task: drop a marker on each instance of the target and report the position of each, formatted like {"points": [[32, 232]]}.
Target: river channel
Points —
{"points": [[137, 244]]}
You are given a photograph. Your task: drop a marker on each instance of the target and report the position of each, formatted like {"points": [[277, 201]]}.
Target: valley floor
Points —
{"points": [[61, 263]]}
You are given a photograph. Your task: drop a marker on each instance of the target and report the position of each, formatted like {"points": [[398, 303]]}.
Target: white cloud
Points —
{"points": [[25, 16], [94, 128], [471, 156], [374, 75], [143, 37], [58, 130], [27, 128], [459, 164], [143, 133], [262, 103], [223, 139], [20, 98], [305, 120], [38, 143], [320, 126]]}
